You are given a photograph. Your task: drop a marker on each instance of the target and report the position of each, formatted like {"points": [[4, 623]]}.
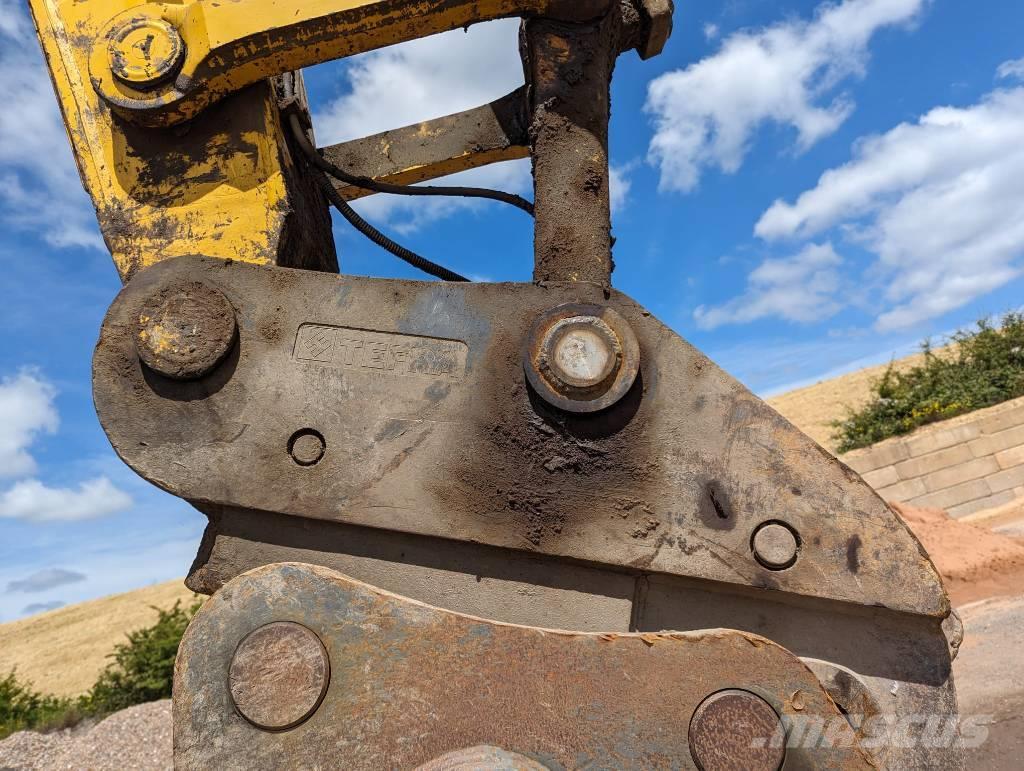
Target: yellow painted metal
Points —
{"points": [[218, 187], [232, 43], [223, 184], [144, 52]]}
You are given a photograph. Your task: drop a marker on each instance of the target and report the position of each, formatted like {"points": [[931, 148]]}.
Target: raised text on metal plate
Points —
{"points": [[385, 353]]}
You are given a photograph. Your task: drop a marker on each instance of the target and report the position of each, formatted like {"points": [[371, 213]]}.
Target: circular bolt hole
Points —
{"points": [[775, 545], [307, 447], [482, 758], [735, 729], [279, 675]]}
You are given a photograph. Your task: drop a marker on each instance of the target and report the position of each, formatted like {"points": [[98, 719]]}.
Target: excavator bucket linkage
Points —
{"points": [[410, 484]]}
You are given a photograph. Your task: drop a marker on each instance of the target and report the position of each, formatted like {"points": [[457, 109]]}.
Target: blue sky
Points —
{"points": [[801, 189]]}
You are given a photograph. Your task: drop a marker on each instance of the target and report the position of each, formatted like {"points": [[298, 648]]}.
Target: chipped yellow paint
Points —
{"points": [[215, 187], [218, 185], [160, 339]]}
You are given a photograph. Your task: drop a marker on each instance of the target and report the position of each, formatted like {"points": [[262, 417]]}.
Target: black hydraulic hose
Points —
{"points": [[364, 227], [385, 187]]}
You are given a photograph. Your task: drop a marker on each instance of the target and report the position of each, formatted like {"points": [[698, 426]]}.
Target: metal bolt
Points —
{"points": [[736, 730], [775, 545], [580, 352], [185, 330], [145, 52], [581, 358], [307, 447], [656, 16], [279, 675]]}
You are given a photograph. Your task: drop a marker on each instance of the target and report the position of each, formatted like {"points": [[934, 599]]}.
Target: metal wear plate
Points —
{"points": [[410, 683], [419, 394]]}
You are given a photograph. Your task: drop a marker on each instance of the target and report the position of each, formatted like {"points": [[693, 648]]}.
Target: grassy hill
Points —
{"points": [[813, 408], [62, 651]]}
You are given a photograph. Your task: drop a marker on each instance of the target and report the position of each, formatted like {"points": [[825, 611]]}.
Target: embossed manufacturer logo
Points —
{"points": [[386, 353]]}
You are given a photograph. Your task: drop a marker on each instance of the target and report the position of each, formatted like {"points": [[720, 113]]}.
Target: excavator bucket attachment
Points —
{"points": [[410, 484]]}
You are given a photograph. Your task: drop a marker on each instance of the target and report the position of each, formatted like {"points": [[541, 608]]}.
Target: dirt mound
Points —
{"points": [[974, 562]]}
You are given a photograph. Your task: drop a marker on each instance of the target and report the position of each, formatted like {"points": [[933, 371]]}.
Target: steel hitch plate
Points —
{"points": [[407, 406], [364, 679]]}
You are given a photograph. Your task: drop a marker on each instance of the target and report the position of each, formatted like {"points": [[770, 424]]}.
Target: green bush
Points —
{"points": [[21, 708], [983, 366], [143, 667], [142, 670]]}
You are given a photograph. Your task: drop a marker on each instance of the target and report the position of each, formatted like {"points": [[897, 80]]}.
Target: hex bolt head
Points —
{"points": [[185, 330], [580, 352], [656, 17], [775, 545], [145, 52], [735, 730], [581, 358], [307, 447], [279, 675]]}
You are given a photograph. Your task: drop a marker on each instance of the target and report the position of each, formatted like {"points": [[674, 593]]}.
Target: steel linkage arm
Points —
{"points": [[162, 63]]}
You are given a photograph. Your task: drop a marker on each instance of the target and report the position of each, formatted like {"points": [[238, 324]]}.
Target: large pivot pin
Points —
{"points": [[581, 358], [185, 330], [145, 52]]}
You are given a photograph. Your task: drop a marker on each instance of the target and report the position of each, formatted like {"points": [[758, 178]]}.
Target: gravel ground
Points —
{"points": [[134, 738]]}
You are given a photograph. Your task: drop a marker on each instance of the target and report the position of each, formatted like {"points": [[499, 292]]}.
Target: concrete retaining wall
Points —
{"points": [[962, 465]]}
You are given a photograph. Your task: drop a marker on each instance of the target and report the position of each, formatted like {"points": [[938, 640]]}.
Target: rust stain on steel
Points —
{"points": [[569, 67], [279, 675], [735, 730], [411, 683], [494, 132]]}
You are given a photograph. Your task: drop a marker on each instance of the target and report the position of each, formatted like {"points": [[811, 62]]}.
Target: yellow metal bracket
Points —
{"points": [[224, 185], [163, 63]]}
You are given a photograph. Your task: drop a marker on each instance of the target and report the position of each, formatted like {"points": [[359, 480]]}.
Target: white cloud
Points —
{"points": [[1011, 69], [44, 580], [786, 74], [711, 31], [26, 410], [40, 189], [619, 185], [799, 288], [940, 202], [420, 80], [41, 607], [33, 501]]}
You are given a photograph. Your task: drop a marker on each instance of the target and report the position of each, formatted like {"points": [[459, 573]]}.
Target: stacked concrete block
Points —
{"points": [[962, 465]]}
